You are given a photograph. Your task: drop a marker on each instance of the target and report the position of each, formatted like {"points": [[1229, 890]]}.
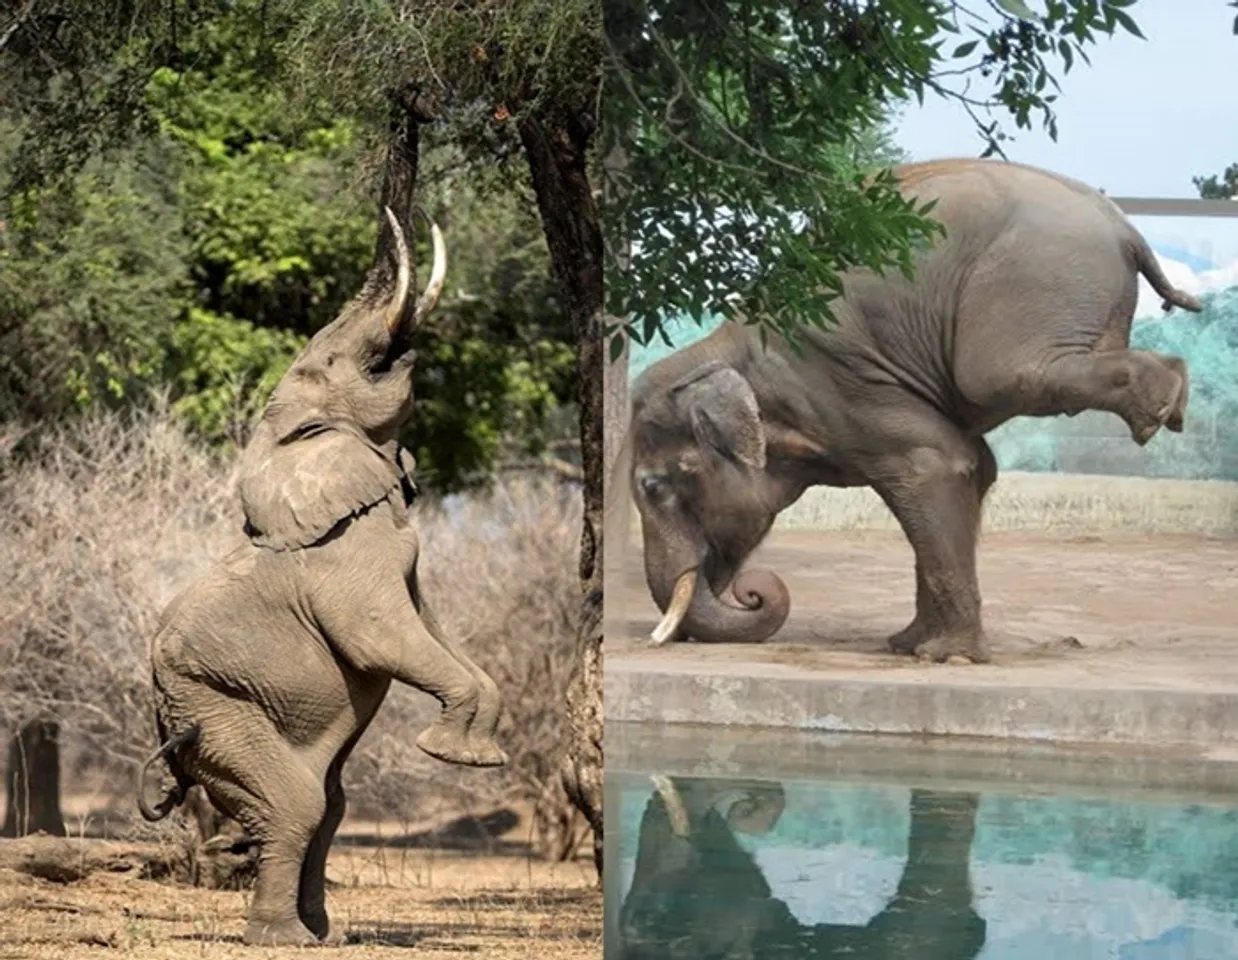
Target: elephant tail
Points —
{"points": [[167, 752], [1170, 295]]}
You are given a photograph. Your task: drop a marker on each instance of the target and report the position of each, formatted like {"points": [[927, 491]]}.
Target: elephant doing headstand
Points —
{"points": [[1024, 308], [269, 668]]}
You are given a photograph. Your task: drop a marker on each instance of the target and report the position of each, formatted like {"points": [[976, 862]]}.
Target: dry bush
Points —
{"points": [[103, 525], [113, 516]]}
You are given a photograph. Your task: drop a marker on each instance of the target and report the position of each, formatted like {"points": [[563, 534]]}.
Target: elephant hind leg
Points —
{"points": [[312, 899], [1146, 390], [922, 626], [251, 772], [933, 478]]}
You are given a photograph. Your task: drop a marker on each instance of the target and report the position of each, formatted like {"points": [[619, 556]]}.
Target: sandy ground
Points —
{"points": [[441, 904], [1094, 610]]}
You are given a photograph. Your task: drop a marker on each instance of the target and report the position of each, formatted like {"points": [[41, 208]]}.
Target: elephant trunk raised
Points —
{"points": [[690, 593]]}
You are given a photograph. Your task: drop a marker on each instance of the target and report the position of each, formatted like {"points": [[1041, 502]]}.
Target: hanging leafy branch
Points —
{"points": [[738, 193]]}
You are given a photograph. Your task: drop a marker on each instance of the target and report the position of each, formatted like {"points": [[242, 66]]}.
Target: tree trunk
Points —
{"points": [[556, 146], [32, 781]]}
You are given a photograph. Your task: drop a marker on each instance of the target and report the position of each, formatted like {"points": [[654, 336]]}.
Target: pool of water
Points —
{"points": [[857, 849]]}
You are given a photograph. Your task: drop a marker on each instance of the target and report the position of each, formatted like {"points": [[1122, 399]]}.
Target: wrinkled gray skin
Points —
{"points": [[269, 668], [1024, 309], [696, 892]]}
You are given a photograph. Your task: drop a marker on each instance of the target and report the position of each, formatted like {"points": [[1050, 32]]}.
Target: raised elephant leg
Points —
{"points": [[489, 700], [1177, 416], [921, 627], [381, 633], [933, 478], [266, 785], [1146, 390]]}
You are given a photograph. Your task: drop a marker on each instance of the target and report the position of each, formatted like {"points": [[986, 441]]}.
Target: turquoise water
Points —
{"points": [[804, 869]]}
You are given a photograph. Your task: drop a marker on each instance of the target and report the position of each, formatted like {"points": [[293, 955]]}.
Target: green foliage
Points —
{"points": [[202, 260], [92, 279], [495, 362], [1223, 187], [224, 369], [737, 193]]}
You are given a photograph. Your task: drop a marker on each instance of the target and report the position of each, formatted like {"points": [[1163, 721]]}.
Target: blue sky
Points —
{"points": [[1144, 118]]}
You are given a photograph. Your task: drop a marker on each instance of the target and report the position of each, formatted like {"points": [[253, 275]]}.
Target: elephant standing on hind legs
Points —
{"points": [[1024, 308], [269, 668]]}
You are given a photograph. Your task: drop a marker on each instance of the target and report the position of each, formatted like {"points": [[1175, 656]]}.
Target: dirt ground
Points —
{"points": [[1094, 610], [441, 904]]}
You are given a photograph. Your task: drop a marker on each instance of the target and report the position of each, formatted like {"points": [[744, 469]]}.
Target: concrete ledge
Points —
{"points": [[651, 689]]}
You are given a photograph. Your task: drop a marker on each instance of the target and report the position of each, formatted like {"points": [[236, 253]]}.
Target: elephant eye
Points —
{"points": [[654, 486]]}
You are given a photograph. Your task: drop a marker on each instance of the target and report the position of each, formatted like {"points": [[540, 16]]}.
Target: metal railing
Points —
{"points": [[1176, 207]]}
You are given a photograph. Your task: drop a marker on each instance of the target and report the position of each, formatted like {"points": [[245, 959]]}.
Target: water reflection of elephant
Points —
{"points": [[696, 893]]}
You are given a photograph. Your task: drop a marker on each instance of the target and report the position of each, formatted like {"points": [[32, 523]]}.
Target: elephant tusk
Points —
{"points": [[677, 609], [675, 810], [403, 274], [438, 273]]}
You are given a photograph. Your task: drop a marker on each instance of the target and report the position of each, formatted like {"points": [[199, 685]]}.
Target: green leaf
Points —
{"points": [[1127, 23], [616, 347], [1017, 8], [963, 49]]}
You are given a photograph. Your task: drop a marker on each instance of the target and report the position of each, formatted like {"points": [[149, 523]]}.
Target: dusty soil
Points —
{"points": [[387, 899], [1091, 610]]}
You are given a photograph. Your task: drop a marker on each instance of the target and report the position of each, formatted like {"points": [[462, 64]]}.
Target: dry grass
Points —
{"points": [[112, 517], [441, 905], [1037, 501]]}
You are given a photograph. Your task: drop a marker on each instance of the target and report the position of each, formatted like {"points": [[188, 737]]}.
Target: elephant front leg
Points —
{"points": [[936, 495], [489, 701], [924, 626], [383, 634]]}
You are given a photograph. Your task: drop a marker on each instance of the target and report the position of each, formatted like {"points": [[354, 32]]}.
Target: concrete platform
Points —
{"points": [[1100, 638]]}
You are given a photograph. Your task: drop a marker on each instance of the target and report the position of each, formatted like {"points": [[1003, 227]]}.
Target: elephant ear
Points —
{"points": [[296, 488], [724, 413]]}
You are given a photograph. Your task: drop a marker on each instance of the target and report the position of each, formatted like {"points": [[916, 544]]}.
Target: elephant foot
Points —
{"points": [[909, 638], [971, 646], [1170, 412], [452, 746], [279, 933]]}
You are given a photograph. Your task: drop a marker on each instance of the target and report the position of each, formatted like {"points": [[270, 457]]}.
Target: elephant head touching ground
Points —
{"points": [[697, 893], [1024, 308], [269, 668], [706, 500]]}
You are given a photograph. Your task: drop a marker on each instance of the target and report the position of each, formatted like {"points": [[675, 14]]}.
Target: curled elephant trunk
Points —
{"points": [[691, 606]]}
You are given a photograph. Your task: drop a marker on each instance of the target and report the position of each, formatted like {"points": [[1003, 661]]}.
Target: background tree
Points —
{"points": [[1223, 187]]}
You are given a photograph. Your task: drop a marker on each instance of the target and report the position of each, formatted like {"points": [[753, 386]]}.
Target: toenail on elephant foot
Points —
{"points": [[954, 649], [279, 933], [487, 753]]}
